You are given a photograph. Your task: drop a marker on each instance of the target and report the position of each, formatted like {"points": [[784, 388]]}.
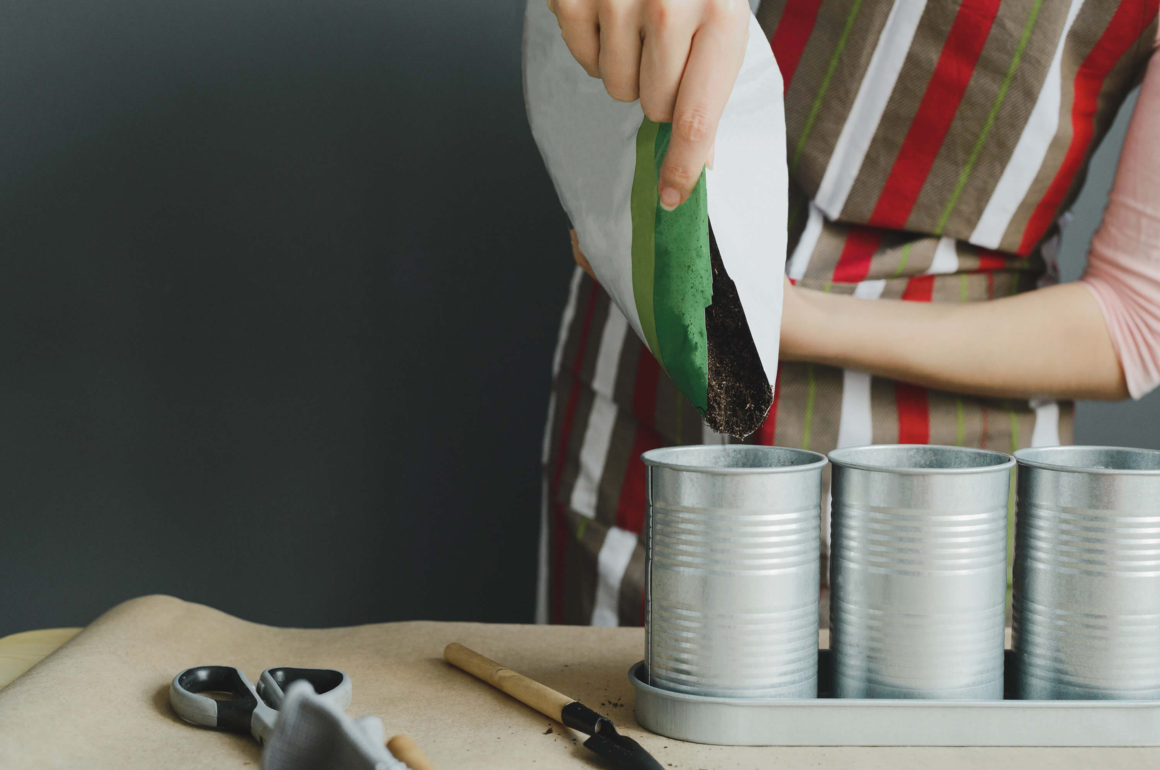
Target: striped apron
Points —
{"points": [[934, 149]]}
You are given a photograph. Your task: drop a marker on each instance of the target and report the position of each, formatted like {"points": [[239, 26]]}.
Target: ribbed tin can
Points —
{"points": [[732, 561], [1086, 605], [918, 571]]}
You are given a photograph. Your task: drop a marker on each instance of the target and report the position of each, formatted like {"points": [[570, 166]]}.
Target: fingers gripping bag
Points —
{"points": [[701, 285]]}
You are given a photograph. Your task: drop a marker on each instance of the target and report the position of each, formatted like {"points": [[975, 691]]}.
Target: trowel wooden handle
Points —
{"points": [[408, 752], [527, 691]]}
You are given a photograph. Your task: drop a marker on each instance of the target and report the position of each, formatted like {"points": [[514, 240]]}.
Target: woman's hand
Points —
{"points": [[679, 57]]}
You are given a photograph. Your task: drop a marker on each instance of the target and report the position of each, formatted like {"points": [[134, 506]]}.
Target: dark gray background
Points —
{"points": [[281, 288]]}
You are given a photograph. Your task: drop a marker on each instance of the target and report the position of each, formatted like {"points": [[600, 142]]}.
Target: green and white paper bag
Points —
{"points": [[603, 157]]}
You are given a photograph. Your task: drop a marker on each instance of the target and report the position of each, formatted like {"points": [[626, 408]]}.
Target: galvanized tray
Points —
{"points": [[829, 721]]}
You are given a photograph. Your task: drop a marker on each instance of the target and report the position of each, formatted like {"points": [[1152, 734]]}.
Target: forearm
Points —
{"points": [[1052, 342]]}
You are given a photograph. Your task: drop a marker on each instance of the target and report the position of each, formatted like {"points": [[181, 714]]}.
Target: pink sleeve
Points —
{"points": [[1123, 268]]}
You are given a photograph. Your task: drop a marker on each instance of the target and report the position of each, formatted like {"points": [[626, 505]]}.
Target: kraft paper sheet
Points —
{"points": [[101, 700]]}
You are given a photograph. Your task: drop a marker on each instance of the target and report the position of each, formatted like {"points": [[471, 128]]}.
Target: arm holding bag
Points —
{"points": [[701, 285]]}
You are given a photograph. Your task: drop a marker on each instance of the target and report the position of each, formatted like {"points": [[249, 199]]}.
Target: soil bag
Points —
{"points": [[701, 285]]}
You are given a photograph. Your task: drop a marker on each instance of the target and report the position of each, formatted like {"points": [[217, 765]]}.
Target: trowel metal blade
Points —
{"points": [[621, 751]]}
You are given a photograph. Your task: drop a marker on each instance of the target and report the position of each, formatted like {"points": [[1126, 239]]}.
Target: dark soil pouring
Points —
{"points": [[739, 395]]}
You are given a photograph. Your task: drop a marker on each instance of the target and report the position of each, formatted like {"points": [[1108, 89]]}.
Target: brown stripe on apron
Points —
{"points": [[563, 451], [841, 84], [769, 14], [623, 430], [583, 546], [562, 383], [1093, 18], [905, 98], [587, 367], [630, 599], [1010, 120], [943, 410]]}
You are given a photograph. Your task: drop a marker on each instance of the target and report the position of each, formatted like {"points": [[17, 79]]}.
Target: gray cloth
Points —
{"points": [[313, 734]]}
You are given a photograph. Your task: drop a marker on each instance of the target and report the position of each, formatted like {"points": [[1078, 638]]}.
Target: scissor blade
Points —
{"points": [[621, 751]]}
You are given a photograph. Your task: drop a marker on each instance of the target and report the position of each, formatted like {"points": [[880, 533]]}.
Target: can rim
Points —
{"points": [[847, 457], [661, 458], [1027, 457]]}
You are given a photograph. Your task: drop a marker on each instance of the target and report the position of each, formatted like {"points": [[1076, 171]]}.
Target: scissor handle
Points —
{"points": [[242, 708], [333, 685], [232, 711]]}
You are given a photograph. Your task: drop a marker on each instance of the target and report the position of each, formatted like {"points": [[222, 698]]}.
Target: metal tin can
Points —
{"points": [[918, 571], [1087, 573], [732, 560]]}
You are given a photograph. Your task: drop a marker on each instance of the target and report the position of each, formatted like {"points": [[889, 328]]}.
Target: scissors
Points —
{"points": [[222, 698]]}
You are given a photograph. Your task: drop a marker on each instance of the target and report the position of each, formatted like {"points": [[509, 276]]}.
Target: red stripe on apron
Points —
{"points": [[792, 33], [910, 400], [913, 414], [919, 289], [561, 540], [630, 507], [854, 262], [767, 433], [991, 260], [1122, 32], [940, 102]]}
